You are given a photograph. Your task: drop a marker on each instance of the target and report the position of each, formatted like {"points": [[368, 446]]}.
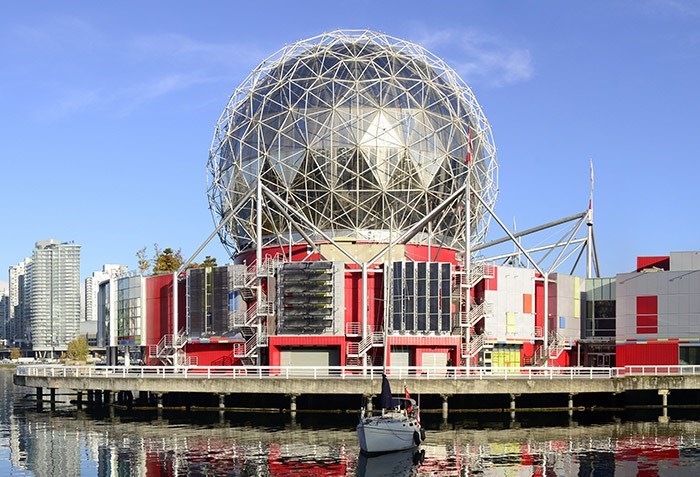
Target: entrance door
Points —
{"points": [[321, 358], [400, 359], [434, 362]]}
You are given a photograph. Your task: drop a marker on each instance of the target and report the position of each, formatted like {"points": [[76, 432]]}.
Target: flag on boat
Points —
{"points": [[409, 408]]}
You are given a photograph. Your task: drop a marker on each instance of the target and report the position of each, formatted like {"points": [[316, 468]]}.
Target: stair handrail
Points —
{"points": [[480, 311], [248, 347]]}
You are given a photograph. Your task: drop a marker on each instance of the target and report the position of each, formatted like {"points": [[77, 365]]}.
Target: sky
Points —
{"points": [[108, 112]]}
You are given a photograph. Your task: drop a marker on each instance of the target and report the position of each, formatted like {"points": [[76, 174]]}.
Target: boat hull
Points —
{"points": [[380, 435]]}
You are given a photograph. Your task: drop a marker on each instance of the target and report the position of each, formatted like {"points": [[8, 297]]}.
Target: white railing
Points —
{"points": [[556, 346], [470, 318], [479, 270], [372, 339], [247, 349], [458, 373], [476, 343], [353, 329]]}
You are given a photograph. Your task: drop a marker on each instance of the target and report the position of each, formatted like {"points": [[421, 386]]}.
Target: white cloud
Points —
{"points": [[54, 33], [124, 100], [480, 58], [188, 49]]}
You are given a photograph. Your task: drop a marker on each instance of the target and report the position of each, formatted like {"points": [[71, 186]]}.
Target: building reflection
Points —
{"points": [[55, 444]]}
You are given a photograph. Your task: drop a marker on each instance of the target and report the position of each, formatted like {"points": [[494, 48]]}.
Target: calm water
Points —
{"points": [[67, 443]]}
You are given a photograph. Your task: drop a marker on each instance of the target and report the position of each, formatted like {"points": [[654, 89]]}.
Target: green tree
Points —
{"points": [[15, 354], [78, 349], [167, 260], [208, 262], [143, 262]]}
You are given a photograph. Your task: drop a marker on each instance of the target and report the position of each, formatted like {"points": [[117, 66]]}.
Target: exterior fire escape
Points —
{"points": [[471, 314], [555, 346], [253, 321], [356, 351], [170, 350]]}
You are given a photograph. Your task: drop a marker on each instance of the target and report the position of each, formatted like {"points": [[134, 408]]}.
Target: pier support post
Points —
{"points": [[222, 408], [663, 418], [53, 398], [39, 398], [571, 404], [106, 397], [293, 405], [79, 399], [445, 407], [369, 406], [159, 405], [512, 405], [90, 396]]}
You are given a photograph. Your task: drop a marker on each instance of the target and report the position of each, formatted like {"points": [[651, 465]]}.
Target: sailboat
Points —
{"points": [[398, 427]]}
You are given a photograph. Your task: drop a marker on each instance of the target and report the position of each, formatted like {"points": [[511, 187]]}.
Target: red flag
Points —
{"points": [[409, 408]]}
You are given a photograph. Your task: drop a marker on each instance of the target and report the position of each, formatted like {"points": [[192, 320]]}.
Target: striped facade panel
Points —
{"points": [[659, 353], [684, 261], [568, 310], [677, 305], [513, 305]]}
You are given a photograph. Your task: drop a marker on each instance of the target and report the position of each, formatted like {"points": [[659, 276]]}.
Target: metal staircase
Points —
{"points": [[552, 350], [478, 272], [256, 316], [372, 339], [477, 343], [170, 350], [476, 313], [471, 314]]}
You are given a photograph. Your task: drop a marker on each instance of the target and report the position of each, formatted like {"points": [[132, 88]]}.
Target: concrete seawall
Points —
{"points": [[291, 383]]}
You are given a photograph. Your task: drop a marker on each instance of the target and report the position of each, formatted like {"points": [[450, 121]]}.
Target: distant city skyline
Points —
{"points": [[109, 115]]}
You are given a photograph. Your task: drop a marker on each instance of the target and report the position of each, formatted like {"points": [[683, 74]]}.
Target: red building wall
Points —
{"points": [[375, 298], [663, 262], [652, 353], [419, 253], [213, 354], [159, 307], [276, 343]]}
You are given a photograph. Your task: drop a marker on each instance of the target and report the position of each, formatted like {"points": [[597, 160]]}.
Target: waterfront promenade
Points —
{"points": [[298, 381]]}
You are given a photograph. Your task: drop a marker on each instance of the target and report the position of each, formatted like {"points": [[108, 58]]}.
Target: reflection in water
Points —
{"points": [[399, 464], [67, 442]]}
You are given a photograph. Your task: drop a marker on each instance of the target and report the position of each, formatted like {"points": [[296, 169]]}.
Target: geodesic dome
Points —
{"points": [[351, 134]]}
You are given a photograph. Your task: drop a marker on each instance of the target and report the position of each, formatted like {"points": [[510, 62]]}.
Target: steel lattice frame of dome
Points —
{"points": [[351, 134]]}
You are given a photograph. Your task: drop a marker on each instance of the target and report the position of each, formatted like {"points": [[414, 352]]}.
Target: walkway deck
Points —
{"points": [[356, 381]]}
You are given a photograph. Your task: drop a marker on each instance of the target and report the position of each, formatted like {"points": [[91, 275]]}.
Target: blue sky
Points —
{"points": [[108, 109]]}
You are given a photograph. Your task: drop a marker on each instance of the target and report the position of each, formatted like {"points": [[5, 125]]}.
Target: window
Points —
{"points": [[647, 315], [689, 355], [510, 322]]}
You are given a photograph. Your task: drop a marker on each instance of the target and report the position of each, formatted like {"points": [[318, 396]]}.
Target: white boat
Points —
{"points": [[398, 428]]}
